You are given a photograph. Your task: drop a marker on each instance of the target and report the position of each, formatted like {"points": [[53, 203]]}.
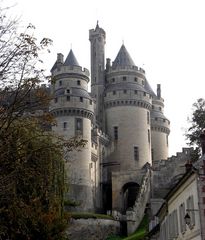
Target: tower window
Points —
{"points": [[113, 80], [68, 90], [144, 93], [114, 92], [152, 152], [64, 126], [91, 102], [124, 91], [143, 82], [68, 98], [116, 133], [78, 82], [135, 91], [148, 134], [148, 118], [136, 153], [124, 78], [79, 126], [56, 100], [60, 83], [136, 79], [81, 99], [167, 140]]}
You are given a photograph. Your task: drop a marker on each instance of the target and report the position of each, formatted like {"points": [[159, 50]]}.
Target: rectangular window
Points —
{"points": [[64, 126], [145, 94], [114, 92], [78, 82], [124, 91], [135, 79], [79, 126], [181, 217], [152, 152], [115, 133], [148, 135], [113, 80], [167, 140], [68, 98], [148, 118], [136, 153], [135, 91], [81, 99], [68, 90], [190, 206], [56, 100], [60, 83], [91, 102], [124, 78]]}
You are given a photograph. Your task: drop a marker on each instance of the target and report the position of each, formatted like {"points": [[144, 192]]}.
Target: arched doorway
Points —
{"points": [[130, 191]]}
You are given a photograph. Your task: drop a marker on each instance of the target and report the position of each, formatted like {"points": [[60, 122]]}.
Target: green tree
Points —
{"points": [[197, 122], [31, 157]]}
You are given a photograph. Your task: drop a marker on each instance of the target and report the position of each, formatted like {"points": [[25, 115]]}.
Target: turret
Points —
{"points": [[97, 41], [160, 127], [72, 107], [128, 105]]}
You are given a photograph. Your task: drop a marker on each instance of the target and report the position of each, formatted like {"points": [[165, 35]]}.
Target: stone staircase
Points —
{"points": [[135, 214]]}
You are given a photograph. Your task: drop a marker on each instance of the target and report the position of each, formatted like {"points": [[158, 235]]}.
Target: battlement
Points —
{"points": [[71, 69], [127, 68]]}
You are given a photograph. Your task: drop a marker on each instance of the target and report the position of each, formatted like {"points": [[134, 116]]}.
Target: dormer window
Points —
{"points": [[68, 90]]}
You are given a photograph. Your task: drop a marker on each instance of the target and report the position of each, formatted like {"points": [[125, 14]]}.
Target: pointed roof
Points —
{"points": [[123, 58], [54, 66], [71, 60]]}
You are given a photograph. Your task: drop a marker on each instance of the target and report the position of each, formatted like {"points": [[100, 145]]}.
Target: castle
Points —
{"points": [[123, 122]]}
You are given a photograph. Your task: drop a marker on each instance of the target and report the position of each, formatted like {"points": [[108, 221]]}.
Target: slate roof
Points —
{"points": [[123, 58], [149, 89], [71, 60]]}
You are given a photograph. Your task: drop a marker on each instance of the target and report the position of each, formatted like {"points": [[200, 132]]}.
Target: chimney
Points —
{"points": [[159, 91], [188, 166], [60, 58]]}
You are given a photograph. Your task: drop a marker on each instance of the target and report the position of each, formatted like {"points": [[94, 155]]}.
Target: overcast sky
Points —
{"points": [[165, 37]]}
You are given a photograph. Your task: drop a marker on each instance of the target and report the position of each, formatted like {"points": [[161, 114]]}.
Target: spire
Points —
{"points": [[123, 58], [71, 60], [97, 25]]}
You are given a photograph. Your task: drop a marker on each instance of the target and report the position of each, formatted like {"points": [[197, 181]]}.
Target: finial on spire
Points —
{"points": [[71, 46], [97, 26]]}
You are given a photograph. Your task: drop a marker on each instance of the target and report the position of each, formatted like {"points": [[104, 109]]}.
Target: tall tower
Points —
{"points": [[97, 40], [128, 107], [160, 126], [72, 107]]}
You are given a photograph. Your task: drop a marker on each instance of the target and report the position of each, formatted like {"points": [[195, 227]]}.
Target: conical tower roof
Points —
{"points": [[123, 58], [71, 60]]}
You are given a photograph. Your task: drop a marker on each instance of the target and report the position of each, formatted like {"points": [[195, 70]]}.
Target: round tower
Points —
{"points": [[127, 105], [72, 107], [160, 129], [97, 43]]}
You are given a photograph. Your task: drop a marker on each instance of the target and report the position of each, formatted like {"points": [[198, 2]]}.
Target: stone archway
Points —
{"points": [[130, 191]]}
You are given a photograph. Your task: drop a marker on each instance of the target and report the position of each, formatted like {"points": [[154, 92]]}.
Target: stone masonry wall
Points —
{"points": [[92, 229]]}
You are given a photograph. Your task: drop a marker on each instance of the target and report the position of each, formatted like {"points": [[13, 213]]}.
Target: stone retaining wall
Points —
{"points": [[92, 229]]}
